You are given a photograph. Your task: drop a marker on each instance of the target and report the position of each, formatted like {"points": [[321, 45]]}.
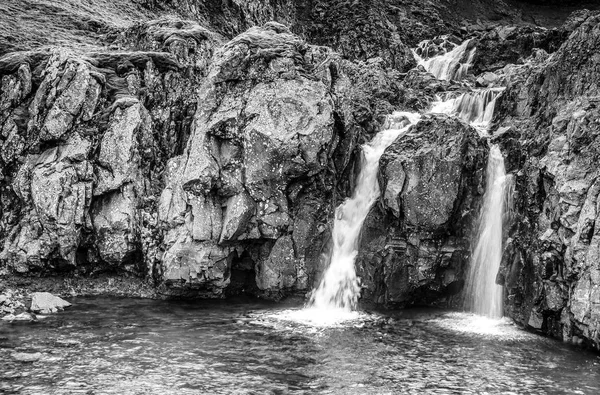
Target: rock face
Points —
{"points": [[415, 242], [548, 127], [209, 167]]}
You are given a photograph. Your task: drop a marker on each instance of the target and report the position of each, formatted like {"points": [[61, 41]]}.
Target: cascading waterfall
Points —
{"points": [[339, 287], [476, 107], [452, 65], [483, 295]]}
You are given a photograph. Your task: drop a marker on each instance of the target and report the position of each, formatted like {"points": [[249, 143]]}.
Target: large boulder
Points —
{"points": [[415, 242], [45, 302]]}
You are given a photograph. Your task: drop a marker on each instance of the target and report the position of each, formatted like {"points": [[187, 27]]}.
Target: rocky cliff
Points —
{"points": [[548, 127], [203, 148]]}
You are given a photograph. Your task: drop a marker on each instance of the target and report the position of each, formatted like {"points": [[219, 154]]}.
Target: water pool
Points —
{"points": [[136, 346]]}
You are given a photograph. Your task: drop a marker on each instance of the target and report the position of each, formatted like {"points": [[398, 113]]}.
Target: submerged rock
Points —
{"points": [[26, 357], [22, 317]]}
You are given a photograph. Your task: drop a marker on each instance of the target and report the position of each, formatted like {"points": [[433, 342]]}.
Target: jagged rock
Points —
{"points": [[512, 44], [56, 185], [45, 303], [423, 172], [250, 141], [414, 247], [549, 120], [279, 270], [193, 265], [239, 211], [118, 159], [116, 220], [65, 88]]}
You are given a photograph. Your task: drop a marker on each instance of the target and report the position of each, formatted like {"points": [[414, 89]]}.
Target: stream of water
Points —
{"points": [[134, 346], [483, 295], [339, 288]]}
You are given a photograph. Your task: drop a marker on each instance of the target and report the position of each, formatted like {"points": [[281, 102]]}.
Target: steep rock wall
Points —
{"points": [[548, 127]]}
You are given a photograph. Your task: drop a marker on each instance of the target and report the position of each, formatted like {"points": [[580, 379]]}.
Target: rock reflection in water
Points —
{"points": [[119, 346]]}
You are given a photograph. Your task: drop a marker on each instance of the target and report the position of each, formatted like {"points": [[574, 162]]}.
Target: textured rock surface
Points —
{"points": [[186, 160], [548, 127], [432, 181]]}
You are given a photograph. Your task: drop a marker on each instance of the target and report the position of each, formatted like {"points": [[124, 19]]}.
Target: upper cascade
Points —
{"points": [[447, 64], [475, 107]]}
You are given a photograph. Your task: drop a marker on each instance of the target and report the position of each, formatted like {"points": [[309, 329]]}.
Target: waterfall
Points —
{"points": [[483, 295], [475, 107], [339, 287], [452, 65]]}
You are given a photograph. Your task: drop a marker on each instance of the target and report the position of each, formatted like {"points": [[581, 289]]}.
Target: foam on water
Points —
{"points": [[499, 328], [319, 317]]}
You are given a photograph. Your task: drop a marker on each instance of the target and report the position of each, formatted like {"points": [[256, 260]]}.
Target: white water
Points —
{"points": [[337, 295], [483, 295], [476, 107], [452, 65], [339, 289]]}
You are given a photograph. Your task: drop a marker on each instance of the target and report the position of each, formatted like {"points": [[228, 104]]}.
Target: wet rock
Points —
{"points": [[279, 270], [26, 357], [550, 136], [415, 244], [21, 317], [45, 303]]}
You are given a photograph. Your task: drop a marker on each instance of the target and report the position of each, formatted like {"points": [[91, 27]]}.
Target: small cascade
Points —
{"points": [[449, 65], [339, 288], [483, 295], [475, 107]]}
